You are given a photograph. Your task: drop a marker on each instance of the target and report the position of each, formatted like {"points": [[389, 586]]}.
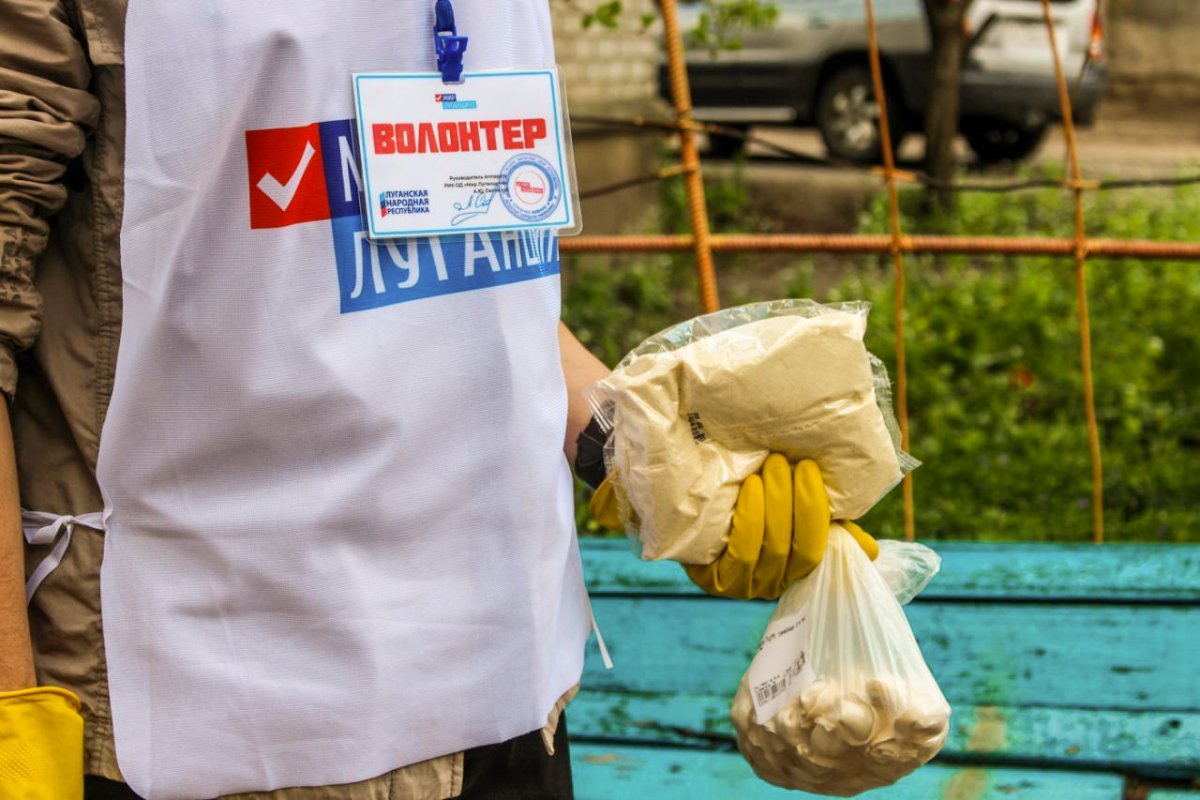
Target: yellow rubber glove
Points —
{"points": [[41, 745], [603, 506], [779, 532]]}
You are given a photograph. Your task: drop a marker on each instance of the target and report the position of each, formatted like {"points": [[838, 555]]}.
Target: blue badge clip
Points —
{"points": [[448, 44]]}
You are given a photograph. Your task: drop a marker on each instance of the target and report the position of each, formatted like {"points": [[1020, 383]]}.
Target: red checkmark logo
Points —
{"points": [[287, 176]]}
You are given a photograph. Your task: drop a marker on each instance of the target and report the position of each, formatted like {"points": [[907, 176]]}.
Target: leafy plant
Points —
{"points": [[995, 382], [995, 390], [607, 15], [718, 26], [721, 23]]}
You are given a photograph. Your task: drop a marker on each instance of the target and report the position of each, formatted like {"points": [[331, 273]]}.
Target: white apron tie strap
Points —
{"points": [[43, 529], [604, 656]]}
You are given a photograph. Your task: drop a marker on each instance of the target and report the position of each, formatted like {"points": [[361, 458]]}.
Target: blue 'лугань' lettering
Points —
{"points": [[375, 274]]}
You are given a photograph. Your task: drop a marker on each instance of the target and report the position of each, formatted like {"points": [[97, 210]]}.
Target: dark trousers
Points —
{"points": [[518, 769]]}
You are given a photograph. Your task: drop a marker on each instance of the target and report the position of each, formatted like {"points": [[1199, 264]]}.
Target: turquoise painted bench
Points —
{"points": [[1074, 673]]}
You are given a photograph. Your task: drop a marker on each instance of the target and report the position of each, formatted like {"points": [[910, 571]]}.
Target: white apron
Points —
{"points": [[339, 518]]}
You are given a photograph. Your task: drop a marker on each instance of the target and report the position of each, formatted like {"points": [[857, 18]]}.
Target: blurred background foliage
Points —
{"points": [[995, 390]]}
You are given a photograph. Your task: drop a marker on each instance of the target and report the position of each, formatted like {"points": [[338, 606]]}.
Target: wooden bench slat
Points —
{"points": [[1017, 570], [1158, 744], [1104, 657], [605, 772], [1069, 657]]}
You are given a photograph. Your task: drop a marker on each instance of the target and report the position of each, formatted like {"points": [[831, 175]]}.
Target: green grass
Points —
{"points": [[995, 388]]}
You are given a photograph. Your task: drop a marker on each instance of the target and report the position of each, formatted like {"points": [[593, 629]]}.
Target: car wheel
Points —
{"points": [[994, 141], [848, 117]]}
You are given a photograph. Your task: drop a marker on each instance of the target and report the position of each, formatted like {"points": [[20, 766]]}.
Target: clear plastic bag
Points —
{"points": [[838, 699], [906, 568], [696, 409]]}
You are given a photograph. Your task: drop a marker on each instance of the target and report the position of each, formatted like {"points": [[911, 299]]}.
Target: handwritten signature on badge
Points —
{"points": [[478, 204]]}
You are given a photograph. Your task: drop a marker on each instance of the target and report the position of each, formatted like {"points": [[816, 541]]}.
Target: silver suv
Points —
{"points": [[810, 68]]}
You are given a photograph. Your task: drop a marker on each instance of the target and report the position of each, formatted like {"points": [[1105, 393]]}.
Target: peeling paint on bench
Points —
{"points": [[1054, 657]]}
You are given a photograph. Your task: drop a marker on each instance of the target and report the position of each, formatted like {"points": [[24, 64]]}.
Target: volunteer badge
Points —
{"points": [[306, 174], [491, 156]]}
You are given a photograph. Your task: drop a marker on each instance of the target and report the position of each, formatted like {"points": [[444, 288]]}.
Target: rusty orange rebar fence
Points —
{"points": [[795, 156], [894, 246], [1085, 328], [704, 243], [882, 244], [681, 95]]}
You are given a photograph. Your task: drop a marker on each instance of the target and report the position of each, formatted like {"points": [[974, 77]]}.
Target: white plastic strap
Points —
{"points": [[43, 529], [604, 656]]}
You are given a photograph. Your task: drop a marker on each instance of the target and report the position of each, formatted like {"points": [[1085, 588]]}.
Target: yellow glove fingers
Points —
{"points": [[703, 575], [603, 506], [810, 531], [41, 745], [779, 533], [730, 574], [735, 567], [771, 566], [865, 540]]}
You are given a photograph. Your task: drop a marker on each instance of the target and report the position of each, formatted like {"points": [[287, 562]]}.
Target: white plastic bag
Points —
{"points": [[696, 409], [838, 699]]}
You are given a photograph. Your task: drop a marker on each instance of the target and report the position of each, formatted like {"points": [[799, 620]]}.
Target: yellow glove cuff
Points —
{"points": [[41, 745], [603, 506]]}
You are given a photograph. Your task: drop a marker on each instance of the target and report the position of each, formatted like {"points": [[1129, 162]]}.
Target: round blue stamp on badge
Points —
{"points": [[530, 188]]}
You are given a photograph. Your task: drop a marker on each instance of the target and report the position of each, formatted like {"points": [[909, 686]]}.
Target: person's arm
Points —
{"points": [[45, 111], [582, 369]]}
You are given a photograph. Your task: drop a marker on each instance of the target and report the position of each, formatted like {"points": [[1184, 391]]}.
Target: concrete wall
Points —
{"points": [[607, 70], [1151, 46], [612, 73]]}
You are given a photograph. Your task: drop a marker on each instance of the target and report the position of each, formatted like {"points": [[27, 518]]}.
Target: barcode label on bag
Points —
{"points": [[781, 669]]}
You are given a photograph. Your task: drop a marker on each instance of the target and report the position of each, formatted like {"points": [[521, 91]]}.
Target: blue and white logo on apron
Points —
{"points": [[310, 173]]}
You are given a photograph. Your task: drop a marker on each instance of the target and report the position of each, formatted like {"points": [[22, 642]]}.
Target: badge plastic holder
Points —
{"points": [[523, 189]]}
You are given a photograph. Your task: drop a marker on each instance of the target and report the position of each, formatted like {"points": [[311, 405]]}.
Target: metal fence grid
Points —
{"points": [[703, 243]]}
